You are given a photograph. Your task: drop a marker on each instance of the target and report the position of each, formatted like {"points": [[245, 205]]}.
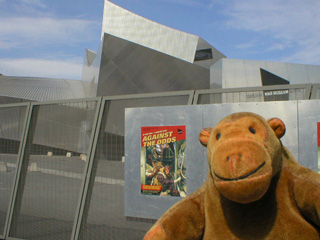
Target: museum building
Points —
{"points": [[137, 55]]}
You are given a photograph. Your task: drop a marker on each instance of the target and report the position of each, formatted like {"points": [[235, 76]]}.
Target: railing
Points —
{"points": [[62, 169], [62, 165], [253, 94]]}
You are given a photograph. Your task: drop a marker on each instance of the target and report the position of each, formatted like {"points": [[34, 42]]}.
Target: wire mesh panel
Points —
{"points": [[52, 170], [12, 121], [257, 94], [103, 216], [315, 94]]}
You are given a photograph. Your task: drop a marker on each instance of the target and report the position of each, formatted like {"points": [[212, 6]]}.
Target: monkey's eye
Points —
{"points": [[218, 136], [252, 130]]}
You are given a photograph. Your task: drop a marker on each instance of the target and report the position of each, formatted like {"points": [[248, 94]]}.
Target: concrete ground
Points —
{"points": [[51, 196]]}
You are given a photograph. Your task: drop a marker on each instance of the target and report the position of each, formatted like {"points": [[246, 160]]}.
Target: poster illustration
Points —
{"points": [[163, 165]]}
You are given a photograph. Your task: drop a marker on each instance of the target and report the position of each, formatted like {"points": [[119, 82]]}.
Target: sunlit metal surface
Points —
{"points": [[129, 68], [40, 89], [137, 55], [236, 73], [127, 25]]}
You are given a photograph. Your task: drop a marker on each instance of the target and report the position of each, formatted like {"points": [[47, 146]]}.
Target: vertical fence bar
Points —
{"points": [[21, 173], [91, 173], [101, 208], [53, 217], [16, 175], [314, 92], [90, 155]]}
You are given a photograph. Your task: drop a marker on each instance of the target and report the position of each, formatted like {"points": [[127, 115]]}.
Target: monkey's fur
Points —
{"points": [[255, 188]]}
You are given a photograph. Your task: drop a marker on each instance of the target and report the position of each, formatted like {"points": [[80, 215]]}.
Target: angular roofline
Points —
{"points": [[149, 20]]}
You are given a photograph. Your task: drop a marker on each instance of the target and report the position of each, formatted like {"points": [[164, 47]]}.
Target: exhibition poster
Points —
{"points": [[163, 161]]}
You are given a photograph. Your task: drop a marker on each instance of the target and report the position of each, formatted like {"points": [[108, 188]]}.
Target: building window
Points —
{"points": [[203, 54], [268, 79]]}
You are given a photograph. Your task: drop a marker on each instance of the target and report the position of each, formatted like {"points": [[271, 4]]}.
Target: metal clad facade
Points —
{"points": [[40, 89], [127, 25], [129, 68], [246, 73]]}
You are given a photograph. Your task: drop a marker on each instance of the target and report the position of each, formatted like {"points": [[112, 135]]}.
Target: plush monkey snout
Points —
{"points": [[241, 168], [233, 161], [237, 159]]}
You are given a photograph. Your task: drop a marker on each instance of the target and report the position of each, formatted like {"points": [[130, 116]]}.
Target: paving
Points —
{"points": [[50, 200]]}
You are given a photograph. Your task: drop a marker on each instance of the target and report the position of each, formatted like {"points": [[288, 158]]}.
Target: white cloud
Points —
{"points": [[306, 54], [29, 28], [289, 24], [30, 32], [51, 68], [284, 18], [193, 3], [277, 46], [34, 3], [246, 46], [7, 45], [35, 8]]}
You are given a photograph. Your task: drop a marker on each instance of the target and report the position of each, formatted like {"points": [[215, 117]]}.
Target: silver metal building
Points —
{"points": [[237, 73], [137, 55], [70, 161], [28, 89]]}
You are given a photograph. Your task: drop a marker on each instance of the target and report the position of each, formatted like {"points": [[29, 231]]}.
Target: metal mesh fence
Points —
{"points": [[315, 94], [67, 181], [52, 172], [103, 216], [258, 94], [12, 120]]}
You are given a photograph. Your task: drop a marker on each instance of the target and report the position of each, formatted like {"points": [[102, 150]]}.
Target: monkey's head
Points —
{"points": [[244, 153]]}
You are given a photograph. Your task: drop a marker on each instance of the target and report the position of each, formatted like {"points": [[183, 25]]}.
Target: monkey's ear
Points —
{"points": [[204, 136], [277, 126]]}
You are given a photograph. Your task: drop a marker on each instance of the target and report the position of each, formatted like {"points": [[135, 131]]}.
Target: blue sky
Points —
{"points": [[48, 38]]}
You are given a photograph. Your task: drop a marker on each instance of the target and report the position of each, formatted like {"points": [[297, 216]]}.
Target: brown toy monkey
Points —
{"points": [[255, 188]]}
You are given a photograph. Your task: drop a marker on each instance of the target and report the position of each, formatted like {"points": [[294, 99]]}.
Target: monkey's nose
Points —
{"points": [[234, 157], [233, 161]]}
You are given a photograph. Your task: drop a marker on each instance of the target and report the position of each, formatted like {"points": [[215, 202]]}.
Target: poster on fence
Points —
{"points": [[163, 161]]}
